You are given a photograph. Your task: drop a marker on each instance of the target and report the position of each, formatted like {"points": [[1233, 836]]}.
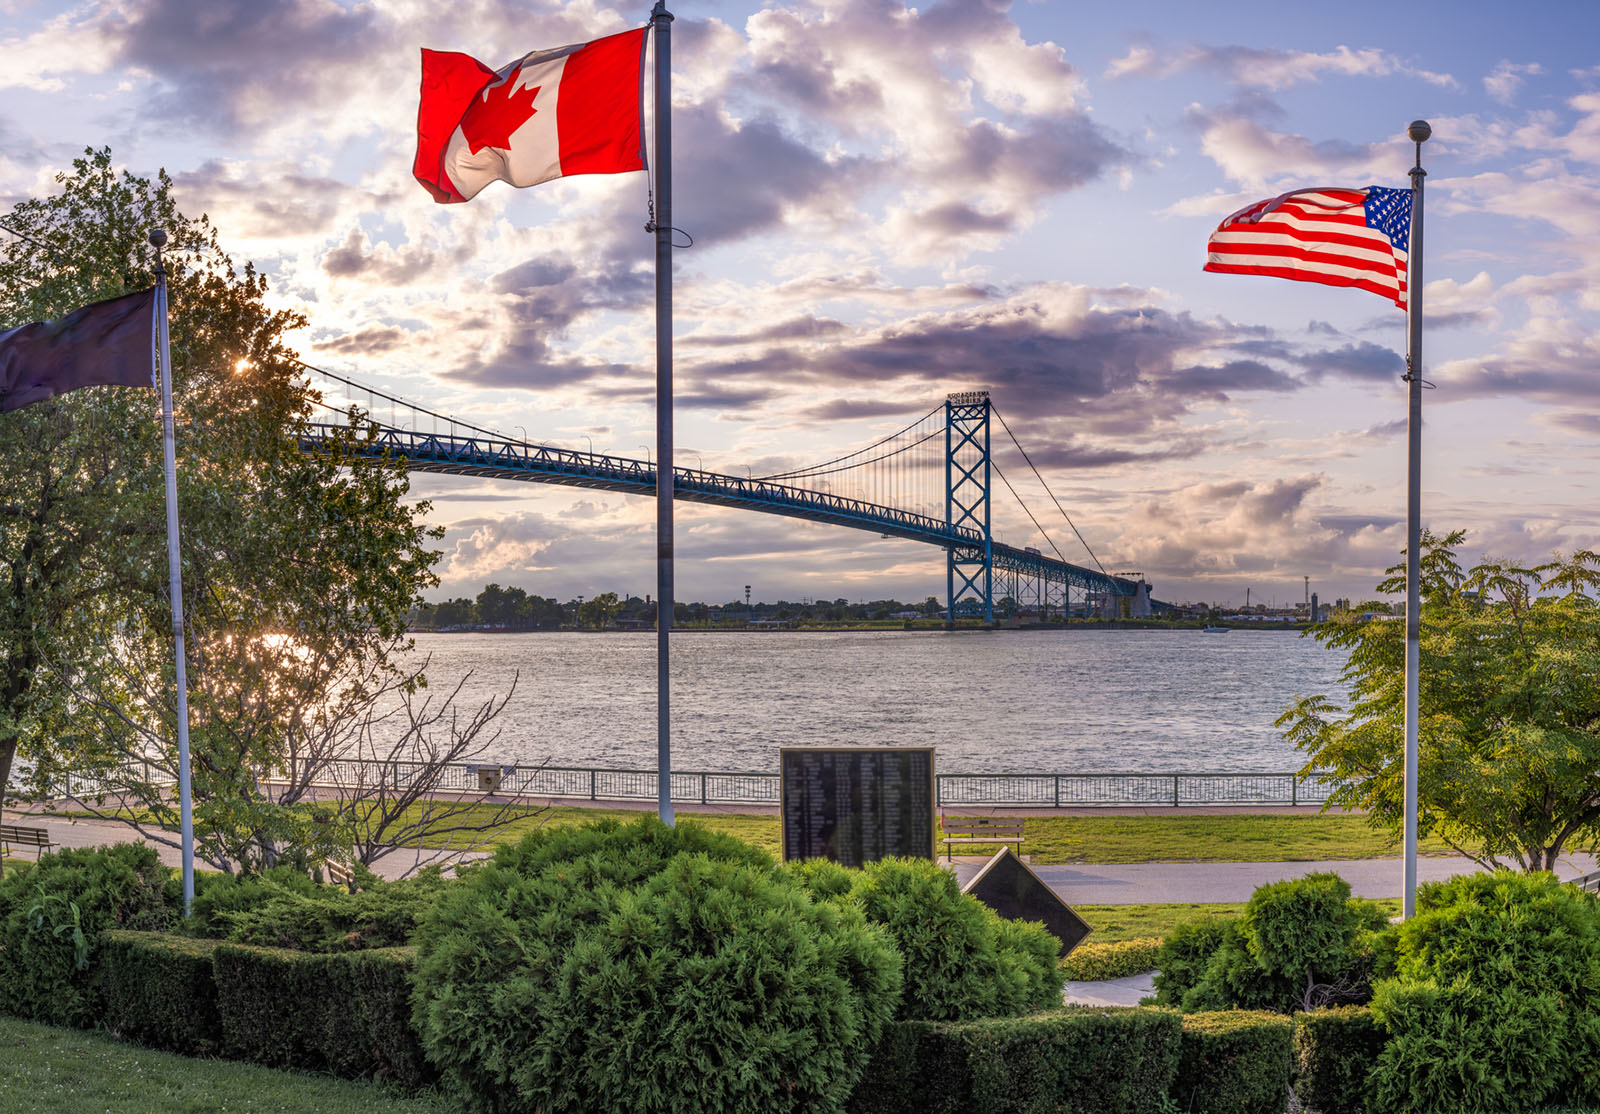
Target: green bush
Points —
{"points": [[1234, 1062], [1099, 962], [646, 968], [1335, 1052], [1184, 953], [51, 918], [290, 911], [1067, 1061], [1298, 944], [962, 959], [158, 989], [348, 1014], [1495, 1002]]}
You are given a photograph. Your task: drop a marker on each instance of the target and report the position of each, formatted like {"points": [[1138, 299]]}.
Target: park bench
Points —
{"points": [[340, 875], [14, 835], [962, 830]]}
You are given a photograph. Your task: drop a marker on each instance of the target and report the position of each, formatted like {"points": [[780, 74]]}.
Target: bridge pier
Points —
{"points": [[968, 568]]}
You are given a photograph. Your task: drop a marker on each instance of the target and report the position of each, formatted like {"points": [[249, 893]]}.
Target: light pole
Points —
{"points": [[590, 440]]}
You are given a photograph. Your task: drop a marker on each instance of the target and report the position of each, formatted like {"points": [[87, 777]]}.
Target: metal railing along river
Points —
{"points": [[591, 783]]}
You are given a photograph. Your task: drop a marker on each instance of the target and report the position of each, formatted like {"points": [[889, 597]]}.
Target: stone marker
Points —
{"points": [[1007, 885]]}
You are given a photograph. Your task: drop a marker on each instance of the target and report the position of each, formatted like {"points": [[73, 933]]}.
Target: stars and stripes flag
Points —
{"points": [[1341, 237]]}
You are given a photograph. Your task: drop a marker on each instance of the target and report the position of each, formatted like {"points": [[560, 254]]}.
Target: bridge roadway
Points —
{"points": [[514, 460]]}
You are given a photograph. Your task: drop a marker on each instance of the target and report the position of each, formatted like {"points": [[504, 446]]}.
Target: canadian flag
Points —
{"points": [[553, 113]]}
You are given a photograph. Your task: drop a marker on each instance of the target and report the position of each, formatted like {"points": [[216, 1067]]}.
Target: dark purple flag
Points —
{"points": [[104, 342]]}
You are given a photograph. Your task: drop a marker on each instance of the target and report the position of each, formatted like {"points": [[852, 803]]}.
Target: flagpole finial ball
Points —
{"points": [[158, 238], [1419, 131]]}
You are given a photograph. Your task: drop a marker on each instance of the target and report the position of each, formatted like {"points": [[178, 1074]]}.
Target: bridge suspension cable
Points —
{"points": [[1048, 492]]}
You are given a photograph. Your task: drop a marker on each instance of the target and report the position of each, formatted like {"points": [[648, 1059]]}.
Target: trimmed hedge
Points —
{"points": [[1335, 1052], [348, 1013], [159, 990], [51, 919], [1099, 962], [1234, 1062], [1066, 1061]]}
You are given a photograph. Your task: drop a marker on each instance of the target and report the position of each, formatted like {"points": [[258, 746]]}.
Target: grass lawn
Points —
{"points": [[1115, 923], [44, 1070], [1099, 839]]}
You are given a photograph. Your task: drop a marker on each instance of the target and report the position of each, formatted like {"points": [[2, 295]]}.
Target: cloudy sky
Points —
{"points": [[889, 203]]}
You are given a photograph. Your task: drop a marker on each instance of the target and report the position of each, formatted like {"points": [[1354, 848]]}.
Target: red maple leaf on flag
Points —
{"points": [[497, 112]]}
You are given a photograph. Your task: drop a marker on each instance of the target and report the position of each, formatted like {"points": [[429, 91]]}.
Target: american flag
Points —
{"points": [[1339, 237]]}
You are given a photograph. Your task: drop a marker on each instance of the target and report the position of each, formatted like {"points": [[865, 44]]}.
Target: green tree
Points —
{"points": [[1509, 712], [597, 612], [298, 569]]}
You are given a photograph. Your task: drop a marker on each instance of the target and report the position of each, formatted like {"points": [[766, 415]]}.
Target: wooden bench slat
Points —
{"points": [[964, 830], [25, 837]]}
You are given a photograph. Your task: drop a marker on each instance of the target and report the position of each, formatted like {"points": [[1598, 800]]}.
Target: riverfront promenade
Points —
{"points": [[1082, 884]]}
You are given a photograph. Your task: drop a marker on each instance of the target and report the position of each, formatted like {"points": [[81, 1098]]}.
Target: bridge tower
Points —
{"points": [[969, 568]]}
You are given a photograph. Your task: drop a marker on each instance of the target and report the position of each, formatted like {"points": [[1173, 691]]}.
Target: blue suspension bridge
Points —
{"points": [[931, 482]]}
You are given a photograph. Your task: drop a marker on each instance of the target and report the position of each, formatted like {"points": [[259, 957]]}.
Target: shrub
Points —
{"points": [[646, 968], [1184, 953], [1298, 944], [269, 913], [51, 918], [1335, 1051], [962, 959], [1495, 1001], [158, 989], [348, 1014], [1234, 1062], [1066, 1061], [1099, 962]]}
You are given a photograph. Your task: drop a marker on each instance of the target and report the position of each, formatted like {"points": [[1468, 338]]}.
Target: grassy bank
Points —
{"points": [[45, 1070], [1101, 839]]}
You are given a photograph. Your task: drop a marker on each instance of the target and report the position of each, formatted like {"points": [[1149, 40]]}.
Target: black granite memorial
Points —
{"points": [[1009, 886], [856, 805]]}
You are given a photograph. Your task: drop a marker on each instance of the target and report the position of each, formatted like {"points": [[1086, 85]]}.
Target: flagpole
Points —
{"points": [[1419, 131], [158, 239], [661, 20]]}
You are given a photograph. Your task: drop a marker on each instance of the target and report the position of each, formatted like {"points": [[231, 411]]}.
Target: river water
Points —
{"points": [[1067, 701]]}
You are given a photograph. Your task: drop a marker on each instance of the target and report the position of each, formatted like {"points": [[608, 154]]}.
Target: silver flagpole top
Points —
{"points": [[158, 236], [1419, 131]]}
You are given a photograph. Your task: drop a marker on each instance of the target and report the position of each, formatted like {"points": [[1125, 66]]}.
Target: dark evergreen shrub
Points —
{"points": [[642, 968], [286, 909], [1234, 1062], [348, 1014], [1495, 1003], [1067, 1061], [1091, 962], [1335, 1052], [51, 918], [962, 959], [1187, 949], [1299, 944], [158, 989]]}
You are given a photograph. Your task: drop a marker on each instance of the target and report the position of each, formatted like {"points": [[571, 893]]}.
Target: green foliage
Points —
{"points": [[1495, 1001], [1335, 1052], [1091, 962], [284, 908], [647, 968], [158, 989], [1184, 954], [1234, 1062], [1065, 1060], [348, 1014], [962, 960], [1299, 944], [51, 918], [298, 569], [1509, 729]]}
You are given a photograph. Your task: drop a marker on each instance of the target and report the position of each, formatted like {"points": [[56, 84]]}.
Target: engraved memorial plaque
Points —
{"points": [[1007, 885], [856, 805]]}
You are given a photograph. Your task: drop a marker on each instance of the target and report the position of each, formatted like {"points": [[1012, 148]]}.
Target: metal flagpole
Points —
{"points": [[661, 20], [1419, 131], [158, 239]]}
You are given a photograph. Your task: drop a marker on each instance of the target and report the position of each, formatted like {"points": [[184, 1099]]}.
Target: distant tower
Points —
{"points": [[1314, 617], [747, 597], [1308, 593]]}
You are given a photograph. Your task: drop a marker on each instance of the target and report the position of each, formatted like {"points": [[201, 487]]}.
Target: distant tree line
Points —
{"points": [[497, 608]]}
